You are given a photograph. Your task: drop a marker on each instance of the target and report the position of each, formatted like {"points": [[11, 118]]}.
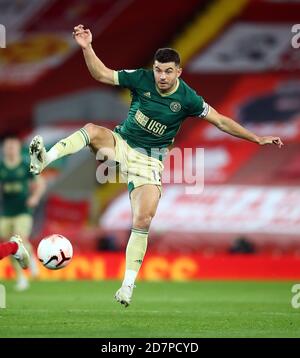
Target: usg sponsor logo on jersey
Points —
{"points": [[12, 187], [141, 118], [150, 125], [156, 127], [175, 106]]}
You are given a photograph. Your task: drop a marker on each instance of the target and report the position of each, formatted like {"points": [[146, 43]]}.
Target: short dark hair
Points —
{"points": [[164, 55], [11, 137]]}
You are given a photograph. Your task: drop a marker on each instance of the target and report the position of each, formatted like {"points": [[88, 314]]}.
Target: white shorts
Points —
{"points": [[137, 168], [19, 224]]}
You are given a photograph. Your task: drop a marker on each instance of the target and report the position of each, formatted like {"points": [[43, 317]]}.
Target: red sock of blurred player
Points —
{"points": [[8, 248]]}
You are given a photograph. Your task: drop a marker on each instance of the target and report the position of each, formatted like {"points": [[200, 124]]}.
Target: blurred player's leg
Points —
{"points": [[33, 266], [91, 134], [23, 225], [21, 255], [16, 248], [21, 259], [144, 201], [7, 249], [22, 282]]}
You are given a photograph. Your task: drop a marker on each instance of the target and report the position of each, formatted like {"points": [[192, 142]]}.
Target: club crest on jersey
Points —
{"points": [[175, 106]]}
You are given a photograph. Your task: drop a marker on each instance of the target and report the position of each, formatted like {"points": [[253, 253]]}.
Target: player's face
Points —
{"points": [[11, 148], [166, 75]]}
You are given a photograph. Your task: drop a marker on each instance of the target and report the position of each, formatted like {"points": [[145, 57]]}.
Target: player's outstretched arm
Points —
{"points": [[230, 126], [96, 67]]}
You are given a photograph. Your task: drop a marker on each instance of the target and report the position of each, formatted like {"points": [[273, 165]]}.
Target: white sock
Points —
{"points": [[129, 279], [51, 155], [70, 145]]}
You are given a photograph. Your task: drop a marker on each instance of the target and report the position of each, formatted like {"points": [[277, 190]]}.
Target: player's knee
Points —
{"points": [[95, 132], [91, 130], [142, 221]]}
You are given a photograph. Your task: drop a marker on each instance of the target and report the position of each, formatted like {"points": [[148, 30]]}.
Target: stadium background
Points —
{"points": [[238, 56]]}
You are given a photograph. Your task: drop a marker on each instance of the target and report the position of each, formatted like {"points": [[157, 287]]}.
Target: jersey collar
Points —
{"points": [[168, 93]]}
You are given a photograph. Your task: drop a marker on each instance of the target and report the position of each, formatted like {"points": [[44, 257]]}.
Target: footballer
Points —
{"points": [[161, 101], [21, 192]]}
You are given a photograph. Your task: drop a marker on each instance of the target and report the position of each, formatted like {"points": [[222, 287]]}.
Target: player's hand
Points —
{"points": [[32, 202], [270, 140], [82, 36]]}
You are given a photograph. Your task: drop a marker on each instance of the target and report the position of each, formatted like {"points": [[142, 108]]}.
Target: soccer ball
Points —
{"points": [[55, 252]]}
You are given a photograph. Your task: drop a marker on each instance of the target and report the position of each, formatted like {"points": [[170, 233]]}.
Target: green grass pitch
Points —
{"points": [[164, 309]]}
